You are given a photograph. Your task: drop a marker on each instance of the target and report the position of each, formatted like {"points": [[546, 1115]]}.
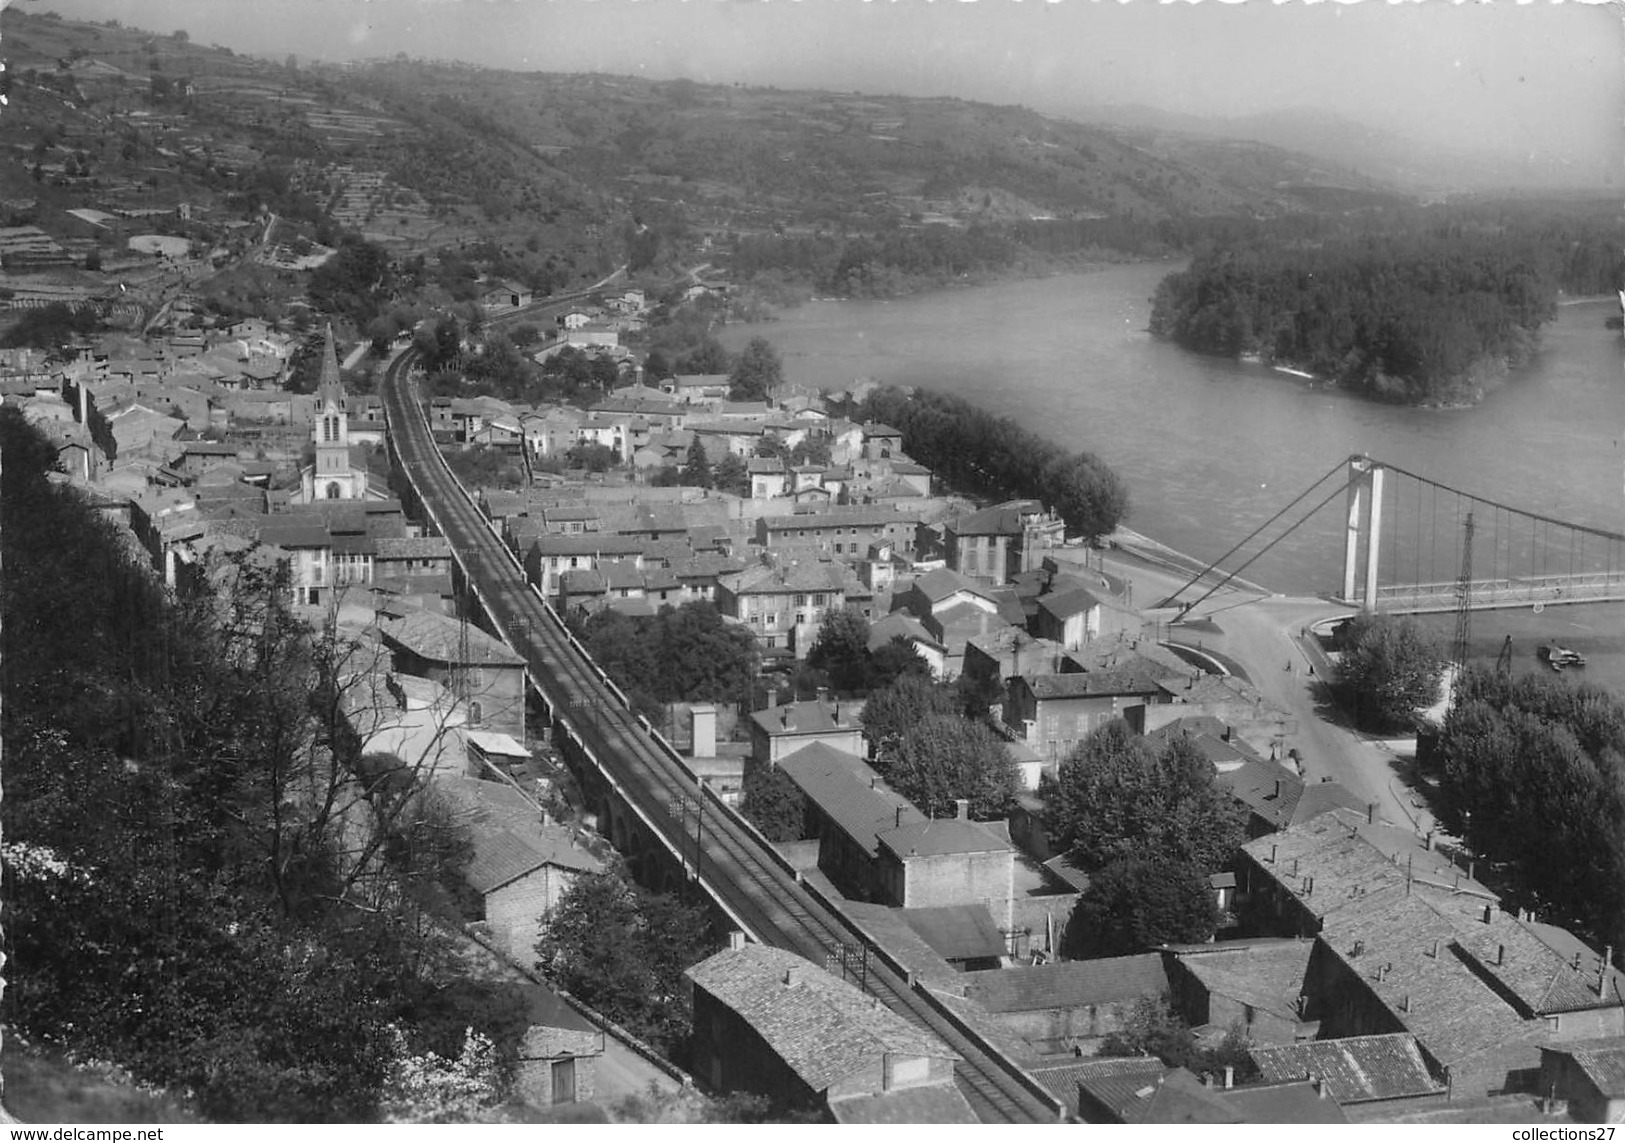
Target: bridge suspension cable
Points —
{"points": [[1296, 500]]}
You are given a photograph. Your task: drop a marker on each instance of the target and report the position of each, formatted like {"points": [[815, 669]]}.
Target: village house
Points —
{"points": [[845, 534], [779, 731], [1356, 1069], [505, 297], [1407, 943], [876, 846], [995, 544], [1053, 713], [1588, 1076], [557, 1059], [784, 606], [521, 864], [550, 555], [767, 1021], [481, 669], [1057, 1006]]}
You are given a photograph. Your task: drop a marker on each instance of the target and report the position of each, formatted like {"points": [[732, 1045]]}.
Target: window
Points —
{"points": [[475, 713], [837, 549], [819, 599], [801, 601]]}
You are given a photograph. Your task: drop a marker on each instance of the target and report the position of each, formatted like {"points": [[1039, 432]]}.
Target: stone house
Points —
{"points": [[784, 605], [995, 544], [780, 731], [1356, 1069], [1051, 1007], [558, 1055], [520, 865], [480, 668], [1589, 1076], [769, 1022], [1054, 713], [844, 534]]}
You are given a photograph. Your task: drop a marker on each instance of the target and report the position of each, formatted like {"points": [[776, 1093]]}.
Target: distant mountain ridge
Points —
{"points": [[1398, 161]]}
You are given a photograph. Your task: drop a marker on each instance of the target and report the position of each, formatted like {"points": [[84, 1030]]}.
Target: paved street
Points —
{"points": [[1259, 633]]}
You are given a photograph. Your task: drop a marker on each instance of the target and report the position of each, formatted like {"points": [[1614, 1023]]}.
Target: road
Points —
{"points": [[1261, 634]]}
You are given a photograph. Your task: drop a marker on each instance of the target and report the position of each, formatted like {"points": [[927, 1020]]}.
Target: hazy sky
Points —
{"points": [[1540, 79]]}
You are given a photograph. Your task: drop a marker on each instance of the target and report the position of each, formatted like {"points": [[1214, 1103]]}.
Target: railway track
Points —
{"points": [[735, 865]]}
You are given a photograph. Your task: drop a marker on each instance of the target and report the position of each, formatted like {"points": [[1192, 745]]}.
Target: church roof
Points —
{"points": [[330, 390]]}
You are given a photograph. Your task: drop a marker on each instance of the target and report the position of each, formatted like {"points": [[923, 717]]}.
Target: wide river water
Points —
{"points": [[1210, 449]]}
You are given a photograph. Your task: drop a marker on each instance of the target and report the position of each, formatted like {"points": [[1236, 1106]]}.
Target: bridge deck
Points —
{"points": [[1485, 595], [746, 875]]}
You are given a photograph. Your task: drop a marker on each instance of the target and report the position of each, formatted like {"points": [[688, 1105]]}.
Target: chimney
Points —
{"points": [[703, 719], [1500, 955], [784, 716], [1435, 953], [1294, 867], [1229, 1077], [1272, 855], [899, 820], [1405, 1004], [1277, 796], [1371, 813], [1489, 914], [1576, 965], [736, 940], [792, 976], [874, 781], [961, 809], [1320, 1088]]}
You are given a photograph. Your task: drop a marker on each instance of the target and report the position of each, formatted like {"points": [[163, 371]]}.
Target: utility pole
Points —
{"points": [[1464, 607]]}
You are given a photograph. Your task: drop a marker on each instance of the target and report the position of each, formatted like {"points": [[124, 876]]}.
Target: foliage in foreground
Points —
{"points": [[188, 892], [1151, 1028]]}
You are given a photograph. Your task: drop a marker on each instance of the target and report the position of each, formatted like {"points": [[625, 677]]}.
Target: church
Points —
{"points": [[334, 475]]}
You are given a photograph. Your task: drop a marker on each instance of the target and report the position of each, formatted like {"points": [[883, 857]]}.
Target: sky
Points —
{"points": [[1537, 79]]}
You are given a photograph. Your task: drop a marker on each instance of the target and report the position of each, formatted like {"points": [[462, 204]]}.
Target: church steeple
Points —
{"points": [[330, 389]]}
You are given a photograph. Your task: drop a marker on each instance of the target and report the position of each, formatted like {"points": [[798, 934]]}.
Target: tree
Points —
{"points": [[1116, 796], [656, 367], [841, 649], [774, 804], [697, 471], [1151, 1028], [731, 475], [889, 714], [622, 950], [1390, 668], [1532, 776], [1137, 903], [592, 456], [947, 757], [892, 660], [757, 373]]}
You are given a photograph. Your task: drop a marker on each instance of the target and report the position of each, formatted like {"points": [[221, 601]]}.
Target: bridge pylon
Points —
{"points": [[1364, 522]]}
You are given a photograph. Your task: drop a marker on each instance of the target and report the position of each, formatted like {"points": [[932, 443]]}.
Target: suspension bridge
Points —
{"points": [[1412, 544]]}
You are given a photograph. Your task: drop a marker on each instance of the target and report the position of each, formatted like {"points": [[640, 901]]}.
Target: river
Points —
{"points": [[1210, 449]]}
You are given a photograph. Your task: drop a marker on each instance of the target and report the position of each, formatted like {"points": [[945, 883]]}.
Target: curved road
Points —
{"points": [[1261, 634], [738, 867]]}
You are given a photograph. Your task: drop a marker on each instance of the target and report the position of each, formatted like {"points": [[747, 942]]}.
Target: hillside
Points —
{"points": [[560, 173]]}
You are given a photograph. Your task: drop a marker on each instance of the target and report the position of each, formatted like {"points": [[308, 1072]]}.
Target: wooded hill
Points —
{"points": [[574, 168]]}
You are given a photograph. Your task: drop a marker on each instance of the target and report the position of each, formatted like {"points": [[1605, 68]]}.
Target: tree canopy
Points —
{"points": [[622, 950], [889, 714], [947, 757], [1117, 796], [987, 455], [1532, 774], [757, 372], [683, 654], [773, 803], [1137, 903], [1390, 668]]}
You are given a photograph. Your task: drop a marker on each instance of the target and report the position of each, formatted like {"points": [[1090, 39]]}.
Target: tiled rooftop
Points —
{"points": [[1356, 1069], [823, 1028], [1068, 984], [1602, 1060], [1267, 975], [940, 837], [849, 793]]}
